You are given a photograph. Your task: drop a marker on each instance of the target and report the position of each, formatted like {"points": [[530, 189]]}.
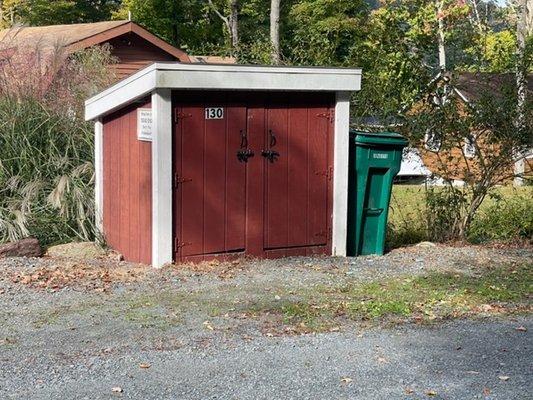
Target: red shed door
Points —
{"points": [[210, 181], [298, 175]]}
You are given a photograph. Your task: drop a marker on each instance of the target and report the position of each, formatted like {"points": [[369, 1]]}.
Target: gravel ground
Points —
{"points": [[76, 328], [461, 360]]}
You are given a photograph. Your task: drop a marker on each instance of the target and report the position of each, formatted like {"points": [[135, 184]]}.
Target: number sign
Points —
{"points": [[214, 113]]}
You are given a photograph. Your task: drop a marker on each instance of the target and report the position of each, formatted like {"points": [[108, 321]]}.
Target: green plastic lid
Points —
{"points": [[383, 138]]}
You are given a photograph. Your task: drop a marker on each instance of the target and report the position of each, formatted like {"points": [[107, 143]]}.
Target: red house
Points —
{"points": [[133, 46]]}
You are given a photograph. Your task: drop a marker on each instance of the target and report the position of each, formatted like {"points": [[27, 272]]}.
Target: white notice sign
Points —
{"points": [[144, 124]]}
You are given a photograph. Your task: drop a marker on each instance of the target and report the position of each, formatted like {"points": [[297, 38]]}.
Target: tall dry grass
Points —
{"points": [[46, 148]]}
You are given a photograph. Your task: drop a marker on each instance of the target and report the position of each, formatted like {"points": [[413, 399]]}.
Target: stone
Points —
{"points": [[81, 250], [426, 244], [28, 247]]}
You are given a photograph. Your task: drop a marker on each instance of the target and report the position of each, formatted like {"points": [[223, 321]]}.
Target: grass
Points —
{"points": [[407, 212], [437, 296], [501, 290]]}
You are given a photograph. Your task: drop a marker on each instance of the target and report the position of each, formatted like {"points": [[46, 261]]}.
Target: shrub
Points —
{"points": [[46, 148], [509, 218]]}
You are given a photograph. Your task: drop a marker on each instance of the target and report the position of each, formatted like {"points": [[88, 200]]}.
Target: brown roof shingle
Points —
{"points": [[54, 35]]}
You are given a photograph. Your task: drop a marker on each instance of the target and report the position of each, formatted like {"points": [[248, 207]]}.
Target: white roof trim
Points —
{"points": [[220, 77]]}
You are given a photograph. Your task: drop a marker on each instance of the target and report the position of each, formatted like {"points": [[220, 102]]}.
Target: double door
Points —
{"points": [[252, 174]]}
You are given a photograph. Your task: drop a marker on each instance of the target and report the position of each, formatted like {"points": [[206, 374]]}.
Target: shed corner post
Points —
{"points": [[162, 177], [98, 175], [340, 174]]}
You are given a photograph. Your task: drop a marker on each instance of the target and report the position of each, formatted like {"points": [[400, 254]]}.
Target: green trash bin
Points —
{"points": [[374, 162]]}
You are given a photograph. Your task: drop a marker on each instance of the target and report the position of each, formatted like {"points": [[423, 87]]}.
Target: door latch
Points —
{"points": [[244, 153], [271, 155]]}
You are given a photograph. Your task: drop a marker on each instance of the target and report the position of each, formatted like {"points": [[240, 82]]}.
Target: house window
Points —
{"points": [[469, 148], [432, 141]]}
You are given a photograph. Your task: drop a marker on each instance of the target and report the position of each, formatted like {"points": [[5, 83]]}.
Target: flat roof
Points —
{"points": [[175, 75]]}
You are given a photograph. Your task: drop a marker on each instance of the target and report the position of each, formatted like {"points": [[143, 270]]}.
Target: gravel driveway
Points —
{"points": [[462, 360], [73, 329]]}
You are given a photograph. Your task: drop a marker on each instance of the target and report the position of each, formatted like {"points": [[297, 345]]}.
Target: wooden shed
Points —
{"points": [[133, 46], [197, 161]]}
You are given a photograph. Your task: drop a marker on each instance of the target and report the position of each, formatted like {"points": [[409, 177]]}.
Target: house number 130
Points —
{"points": [[214, 113]]}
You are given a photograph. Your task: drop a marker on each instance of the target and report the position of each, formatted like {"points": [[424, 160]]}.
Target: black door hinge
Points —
{"points": [[179, 179], [180, 115]]}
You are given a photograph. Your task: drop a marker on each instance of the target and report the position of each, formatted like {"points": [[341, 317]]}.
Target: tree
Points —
{"points": [[274, 31], [187, 24], [231, 22], [487, 125], [44, 12], [524, 29]]}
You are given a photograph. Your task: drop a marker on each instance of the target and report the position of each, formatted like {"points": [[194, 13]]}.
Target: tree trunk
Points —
{"points": [[524, 15], [440, 35], [234, 24], [274, 31], [231, 22]]}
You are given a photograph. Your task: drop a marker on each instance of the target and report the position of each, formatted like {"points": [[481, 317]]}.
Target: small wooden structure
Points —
{"points": [[133, 46], [199, 161]]}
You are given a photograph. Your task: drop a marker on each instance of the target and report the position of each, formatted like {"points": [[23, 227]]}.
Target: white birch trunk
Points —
{"points": [[440, 35], [274, 31], [234, 24], [522, 22]]}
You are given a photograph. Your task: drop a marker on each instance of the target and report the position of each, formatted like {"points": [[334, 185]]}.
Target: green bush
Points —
{"points": [[508, 218]]}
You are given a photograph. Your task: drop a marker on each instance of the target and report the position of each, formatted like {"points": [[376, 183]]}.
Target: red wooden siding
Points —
{"points": [[261, 207], [134, 53], [127, 186]]}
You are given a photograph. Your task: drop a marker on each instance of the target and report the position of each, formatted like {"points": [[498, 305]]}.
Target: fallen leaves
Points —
{"points": [[223, 269], [97, 276], [431, 393], [208, 325], [144, 365]]}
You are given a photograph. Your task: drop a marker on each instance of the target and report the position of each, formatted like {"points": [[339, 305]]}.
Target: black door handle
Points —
{"points": [[271, 155], [244, 154]]}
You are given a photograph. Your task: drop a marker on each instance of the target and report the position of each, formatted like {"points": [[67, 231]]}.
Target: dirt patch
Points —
{"points": [[222, 269]]}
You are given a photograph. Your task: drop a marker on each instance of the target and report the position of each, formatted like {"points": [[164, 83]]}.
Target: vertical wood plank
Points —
{"points": [[214, 183], [276, 207], [192, 190], [235, 201], [256, 116], [297, 174], [318, 176]]}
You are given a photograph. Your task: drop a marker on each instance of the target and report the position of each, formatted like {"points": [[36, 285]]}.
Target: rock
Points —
{"points": [[83, 250], [426, 244], [29, 247], [115, 255]]}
